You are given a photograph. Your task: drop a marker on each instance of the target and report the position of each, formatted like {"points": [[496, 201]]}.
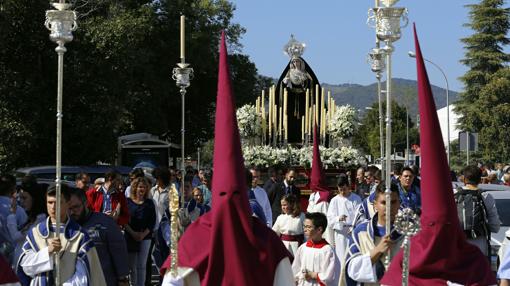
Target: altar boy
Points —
{"points": [[315, 262]]}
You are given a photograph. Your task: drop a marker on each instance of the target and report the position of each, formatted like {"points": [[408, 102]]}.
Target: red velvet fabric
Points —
{"points": [[227, 246], [439, 252], [317, 178], [6, 274]]}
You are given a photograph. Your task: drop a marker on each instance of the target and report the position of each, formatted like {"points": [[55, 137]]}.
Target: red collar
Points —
{"points": [[319, 244]]}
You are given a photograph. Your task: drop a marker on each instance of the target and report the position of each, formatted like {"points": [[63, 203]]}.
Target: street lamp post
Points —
{"points": [[413, 55], [387, 22], [61, 23]]}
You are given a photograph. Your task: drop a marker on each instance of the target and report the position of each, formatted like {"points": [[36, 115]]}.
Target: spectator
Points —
{"points": [[362, 189], [205, 187], [78, 258], [277, 191], [82, 181], [108, 239], [8, 205], [33, 200], [199, 197], [135, 173], [477, 211], [109, 199], [261, 196], [410, 196], [138, 231], [274, 177], [159, 192]]}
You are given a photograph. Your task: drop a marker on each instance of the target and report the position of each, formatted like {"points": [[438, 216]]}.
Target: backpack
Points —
{"points": [[472, 213]]}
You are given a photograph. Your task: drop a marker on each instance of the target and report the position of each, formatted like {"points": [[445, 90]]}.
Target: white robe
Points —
{"points": [[41, 261], [188, 277], [338, 207], [322, 207], [321, 260], [289, 225]]}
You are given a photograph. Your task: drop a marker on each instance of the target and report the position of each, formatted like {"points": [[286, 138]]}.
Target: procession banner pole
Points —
{"points": [[61, 23]]}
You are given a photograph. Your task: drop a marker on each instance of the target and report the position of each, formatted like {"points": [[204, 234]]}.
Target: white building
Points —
{"points": [[454, 118]]}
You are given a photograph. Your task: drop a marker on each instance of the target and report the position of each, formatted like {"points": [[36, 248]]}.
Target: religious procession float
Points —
{"points": [[278, 129]]}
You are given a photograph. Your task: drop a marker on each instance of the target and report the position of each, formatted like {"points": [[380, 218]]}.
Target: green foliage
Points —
{"points": [[367, 136], [484, 57], [117, 77]]}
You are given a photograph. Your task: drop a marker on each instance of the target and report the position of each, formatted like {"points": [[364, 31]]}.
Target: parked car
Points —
{"points": [[499, 240], [69, 172]]}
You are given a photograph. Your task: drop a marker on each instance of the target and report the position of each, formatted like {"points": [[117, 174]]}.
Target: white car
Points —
{"points": [[499, 240]]}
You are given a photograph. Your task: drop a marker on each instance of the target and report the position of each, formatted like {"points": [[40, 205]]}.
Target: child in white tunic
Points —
{"points": [[316, 204], [289, 225], [341, 212], [315, 262]]}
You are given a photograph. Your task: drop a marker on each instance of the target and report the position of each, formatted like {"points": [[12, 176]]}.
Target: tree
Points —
{"points": [[117, 77], [367, 136], [484, 57], [494, 135]]}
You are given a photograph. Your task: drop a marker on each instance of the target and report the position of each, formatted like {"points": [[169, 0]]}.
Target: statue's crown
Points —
{"points": [[294, 48]]}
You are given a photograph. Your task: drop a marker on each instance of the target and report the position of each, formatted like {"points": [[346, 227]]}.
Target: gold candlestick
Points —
{"points": [[173, 205]]}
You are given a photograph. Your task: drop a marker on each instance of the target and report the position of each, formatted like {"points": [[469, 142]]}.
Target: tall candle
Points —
{"points": [[269, 115], [316, 111], [183, 18], [280, 122], [303, 128], [257, 106], [322, 113], [307, 104], [285, 95]]}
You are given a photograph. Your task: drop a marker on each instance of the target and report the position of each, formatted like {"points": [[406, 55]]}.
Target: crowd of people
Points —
{"points": [[340, 238]]}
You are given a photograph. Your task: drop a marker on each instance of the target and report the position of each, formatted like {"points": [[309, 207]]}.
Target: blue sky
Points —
{"points": [[338, 38]]}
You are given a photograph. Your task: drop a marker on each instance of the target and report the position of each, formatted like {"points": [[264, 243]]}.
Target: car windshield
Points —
{"points": [[503, 206]]}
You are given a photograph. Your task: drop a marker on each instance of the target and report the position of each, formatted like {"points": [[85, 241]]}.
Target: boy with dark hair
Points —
{"points": [[79, 263], [478, 215], [369, 242], [315, 262]]}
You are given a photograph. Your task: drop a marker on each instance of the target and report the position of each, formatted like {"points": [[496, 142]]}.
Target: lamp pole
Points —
{"points": [[387, 22], [61, 23], [413, 55]]}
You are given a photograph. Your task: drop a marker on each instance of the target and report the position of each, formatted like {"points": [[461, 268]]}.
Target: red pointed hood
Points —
{"points": [[7, 276], [317, 178], [227, 246], [439, 252]]}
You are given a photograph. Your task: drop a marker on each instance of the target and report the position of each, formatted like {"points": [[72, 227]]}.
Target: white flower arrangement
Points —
{"points": [[343, 122], [266, 156], [249, 122]]}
